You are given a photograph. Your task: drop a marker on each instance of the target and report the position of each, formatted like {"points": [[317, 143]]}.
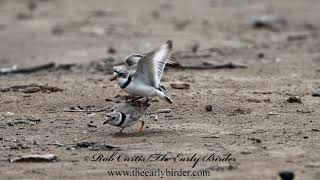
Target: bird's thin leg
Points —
{"points": [[134, 99], [141, 128]]}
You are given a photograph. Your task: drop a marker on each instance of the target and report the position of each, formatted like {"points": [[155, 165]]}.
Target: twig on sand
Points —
{"points": [[14, 70], [229, 65], [84, 110]]}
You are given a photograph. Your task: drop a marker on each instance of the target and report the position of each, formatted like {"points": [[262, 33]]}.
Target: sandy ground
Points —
{"points": [[251, 117]]}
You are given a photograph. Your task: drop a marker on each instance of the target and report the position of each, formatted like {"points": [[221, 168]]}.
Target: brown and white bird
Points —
{"points": [[127, 114], [143, 79]]}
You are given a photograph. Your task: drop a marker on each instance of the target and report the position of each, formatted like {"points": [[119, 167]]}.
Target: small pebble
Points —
{"points": [[209, 108], [180, 85], [286, 175]]}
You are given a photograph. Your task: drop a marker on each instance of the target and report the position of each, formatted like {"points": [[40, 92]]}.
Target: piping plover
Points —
{"points": [[127, 114], [144, 80]]}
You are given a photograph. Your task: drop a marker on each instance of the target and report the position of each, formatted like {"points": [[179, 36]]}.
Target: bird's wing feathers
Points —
{"points": [[150, 68], [135, 112]]}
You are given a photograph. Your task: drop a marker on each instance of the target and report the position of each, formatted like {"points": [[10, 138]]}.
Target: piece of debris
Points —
{"points": [[314, 129], [180, 85], [245, 152], [195, 48], [294, 99], [32, 5], [36, 158], [274, 22], [181, 24], [241, 111], [102, 13], [304, 111], [112, 50], [315, 94], [24, 16], [32, 88], [93, 31], [286, 175], [57, 30], [213, 136], [87, 110], [256, 140], [95, 146], [155, 116], [103, 64], [164, 111], [260, 55], [297, 36], [254, 100], [208, 108], [272, 113], [15, 70], [313, 165], [90, 125]]}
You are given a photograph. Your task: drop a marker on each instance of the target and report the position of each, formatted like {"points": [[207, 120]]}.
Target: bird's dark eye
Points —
{"points": [[113, 118], [120, 74]]}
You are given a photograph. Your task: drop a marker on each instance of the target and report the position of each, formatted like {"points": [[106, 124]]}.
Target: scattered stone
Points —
{"points": [[32, 90], [91, 125], [102, 13], [256, 140], [32, 5], [260, 55], [245, 152], [155, 116], [297, 36], [155, 14], [273, 22], [180, 85], [164, 111], [36, 158], [314, 129], [112, 50], [102, 64], [24, 16], [286, 175], [95, 146], [254, 100], [303, 111], [181, 24], [208, 108], [313, 165], [241, 111], [93, 31], [57, 30], [9, 114], [294, 99], [316, 94], [195, 48]]}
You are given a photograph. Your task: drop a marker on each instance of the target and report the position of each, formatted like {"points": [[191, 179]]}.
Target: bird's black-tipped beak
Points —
{"points": [[108, 119], [113, 78]]}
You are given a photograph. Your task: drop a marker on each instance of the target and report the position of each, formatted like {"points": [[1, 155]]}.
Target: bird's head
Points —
{"points": [[113, 118], [120, 75]]}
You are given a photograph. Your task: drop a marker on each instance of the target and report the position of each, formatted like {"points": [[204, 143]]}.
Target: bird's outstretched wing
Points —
{"points": [[150, 67]]}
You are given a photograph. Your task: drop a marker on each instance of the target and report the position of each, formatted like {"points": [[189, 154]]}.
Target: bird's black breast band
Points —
{"points": [[123, 118], [127, 83]]}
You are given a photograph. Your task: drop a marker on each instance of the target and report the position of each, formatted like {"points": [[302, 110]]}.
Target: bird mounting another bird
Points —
{"points": [[142, 74]]}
